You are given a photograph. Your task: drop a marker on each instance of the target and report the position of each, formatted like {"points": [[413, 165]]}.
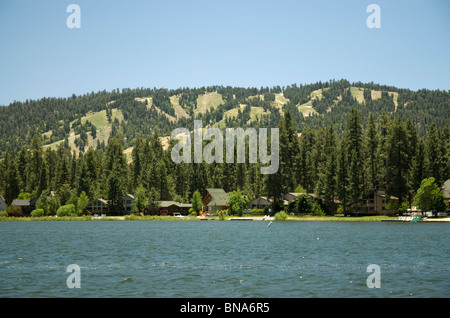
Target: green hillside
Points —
{"points": [[136, 113]]}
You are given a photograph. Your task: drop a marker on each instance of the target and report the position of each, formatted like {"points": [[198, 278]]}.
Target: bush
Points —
{"points": [[258, 211], [281, 216], [14, 210], [222, 214], [37, 213], [66, 210], [3, 213], [304, 204], [318, 210]]}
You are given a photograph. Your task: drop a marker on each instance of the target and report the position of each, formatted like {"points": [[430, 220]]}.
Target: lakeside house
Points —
{"points": [[100, 205], [292, 196], [263, 202], [446, 189], [373, 203], [25, 205], [173, 208], [3, 205], [259, 203], [128, 202], [215, 200]]}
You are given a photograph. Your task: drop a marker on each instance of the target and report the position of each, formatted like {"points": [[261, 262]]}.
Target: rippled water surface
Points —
{"points": [[224, 259]]}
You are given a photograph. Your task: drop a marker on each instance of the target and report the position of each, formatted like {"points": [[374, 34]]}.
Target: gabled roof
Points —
{"points": [[446, 189], [165, 204], [21, 202], [99, 199], [219, 197], [261, 198]]}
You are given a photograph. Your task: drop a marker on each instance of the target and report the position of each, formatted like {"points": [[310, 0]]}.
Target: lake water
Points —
{"points": [[224, 259]]}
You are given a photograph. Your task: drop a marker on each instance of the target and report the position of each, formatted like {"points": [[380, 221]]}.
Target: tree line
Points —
{"points": [[373, 153]]}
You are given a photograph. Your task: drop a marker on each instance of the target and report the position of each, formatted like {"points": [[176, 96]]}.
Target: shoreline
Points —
{"points": [[380, 218]]}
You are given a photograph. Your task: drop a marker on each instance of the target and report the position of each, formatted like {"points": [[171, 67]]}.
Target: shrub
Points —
{"points": [[3, 213], [14, 210], [304, 204], [281, 216], [318, 210], [222, 214], [37, 213], [258, 211], [66, 210]]}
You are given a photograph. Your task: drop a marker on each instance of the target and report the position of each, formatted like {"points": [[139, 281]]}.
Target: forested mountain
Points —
{"points": [[141, 112], [337, 139]]}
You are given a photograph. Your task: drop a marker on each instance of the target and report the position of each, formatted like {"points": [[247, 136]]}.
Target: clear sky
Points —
{"points": [[194, 43]]}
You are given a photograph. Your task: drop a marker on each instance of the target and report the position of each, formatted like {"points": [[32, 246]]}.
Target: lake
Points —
{"points": [[224, 259]]}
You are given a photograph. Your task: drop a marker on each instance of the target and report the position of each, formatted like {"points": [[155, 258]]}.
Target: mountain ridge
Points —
{"points": [[140, 112]]}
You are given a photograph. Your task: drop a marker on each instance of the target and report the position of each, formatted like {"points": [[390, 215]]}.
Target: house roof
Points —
{"points": [[296, 194], [99, 199], [446, 189], [219, 197], [165, 204], [285, 202], [21, 202], [260, 198]]}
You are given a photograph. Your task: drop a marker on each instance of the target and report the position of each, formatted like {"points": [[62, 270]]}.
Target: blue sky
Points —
{"points": [[193, 43]]}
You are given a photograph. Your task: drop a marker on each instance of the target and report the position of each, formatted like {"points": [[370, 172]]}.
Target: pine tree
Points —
{"points": [[398, 161], [36, 165], [327, 168], [434, 155], [22, 164], [91, 165], [353, 143], [289, 153], [417, 169], [136, 165], [307, 163], [342, 180], [115, 170], [382, 150], [371, 148], [10, 178]]}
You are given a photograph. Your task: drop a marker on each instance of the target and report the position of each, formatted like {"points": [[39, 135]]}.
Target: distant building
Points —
{"points": [[292, 196], [374, 203], [25, 205], [259, 203], [446, 190], [215, 200], [173, 207], [128, 200], [100, 205]]}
